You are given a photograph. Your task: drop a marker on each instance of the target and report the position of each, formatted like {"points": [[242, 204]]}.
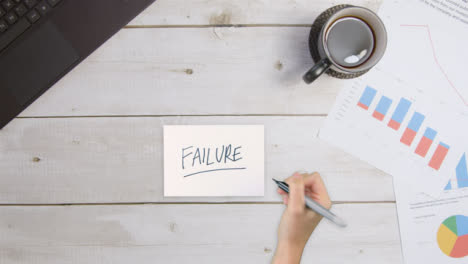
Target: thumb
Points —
{"points": [[296, 201]]}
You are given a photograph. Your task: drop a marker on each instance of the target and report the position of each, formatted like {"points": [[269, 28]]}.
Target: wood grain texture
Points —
{"points": [[193, 71], [177, 59], [222, 12], [187, 234], [107, 160], [190, 71]]}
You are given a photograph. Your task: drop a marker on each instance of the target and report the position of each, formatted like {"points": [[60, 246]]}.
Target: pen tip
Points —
{"points": [[275, 180], [340, 222]]}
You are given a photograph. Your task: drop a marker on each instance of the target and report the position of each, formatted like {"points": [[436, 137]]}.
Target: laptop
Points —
{"points": [[42, 40]]}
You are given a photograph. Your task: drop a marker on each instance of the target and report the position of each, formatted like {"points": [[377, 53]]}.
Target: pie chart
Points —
{"points": [[452, 236]]}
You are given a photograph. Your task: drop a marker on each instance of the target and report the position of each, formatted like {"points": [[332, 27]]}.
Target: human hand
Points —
{"points": [[298, 222]]}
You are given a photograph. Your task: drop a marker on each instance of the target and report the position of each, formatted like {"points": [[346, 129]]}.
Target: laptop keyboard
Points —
{"points": [[16, 16]]}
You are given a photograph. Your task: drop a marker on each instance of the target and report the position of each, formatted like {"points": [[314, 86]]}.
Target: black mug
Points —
{"points": [[351, 41]]}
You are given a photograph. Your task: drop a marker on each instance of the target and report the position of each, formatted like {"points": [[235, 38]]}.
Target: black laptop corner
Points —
{"points": [[41, 41]]}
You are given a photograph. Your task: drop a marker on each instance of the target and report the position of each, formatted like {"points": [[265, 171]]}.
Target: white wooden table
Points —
{"points": [[81, 169]]}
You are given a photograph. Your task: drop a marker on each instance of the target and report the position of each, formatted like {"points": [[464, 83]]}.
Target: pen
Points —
{"points": [[316, 207]]}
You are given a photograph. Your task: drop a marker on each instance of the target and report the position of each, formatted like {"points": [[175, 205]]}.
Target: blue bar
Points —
{"points": [[462, 173], [448, 186], [444, 145], [416, 121], [430, 133], [368, 96], [401, 110], [384, 105]]}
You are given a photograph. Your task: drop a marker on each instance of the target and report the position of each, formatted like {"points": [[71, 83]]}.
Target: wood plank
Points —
{"points": [[108, 160], [188, 234], [209, 12], [219, 71]]}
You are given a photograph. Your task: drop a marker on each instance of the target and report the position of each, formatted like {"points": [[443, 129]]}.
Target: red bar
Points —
{"points": [[408, 137], [394, 124], [362, 105], [378, 115], [423, 146], [438, 157]]}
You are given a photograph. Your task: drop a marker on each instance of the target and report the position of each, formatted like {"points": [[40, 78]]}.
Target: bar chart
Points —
{"points": [[382, 108], [398, 128], [399, 114], [439, 156], [367, 97], [426, 142], [412, 129], [462, 173], [461, 178]]}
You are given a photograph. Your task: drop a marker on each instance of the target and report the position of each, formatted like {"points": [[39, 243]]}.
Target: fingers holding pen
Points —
{"points": [[296, 199], [291, 180], [312, 185]]}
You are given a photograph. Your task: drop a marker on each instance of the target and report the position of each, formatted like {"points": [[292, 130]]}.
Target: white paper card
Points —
{"points": [[214, 160]]}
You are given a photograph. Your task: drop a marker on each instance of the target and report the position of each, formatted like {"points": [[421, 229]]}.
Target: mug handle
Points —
{"points": [[319, 68]]}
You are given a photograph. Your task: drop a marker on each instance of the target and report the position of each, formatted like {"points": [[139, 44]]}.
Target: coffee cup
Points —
{"points": [[347, 41]]}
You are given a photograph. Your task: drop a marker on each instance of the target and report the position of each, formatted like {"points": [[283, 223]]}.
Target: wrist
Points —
{"points": [[288, 253]]}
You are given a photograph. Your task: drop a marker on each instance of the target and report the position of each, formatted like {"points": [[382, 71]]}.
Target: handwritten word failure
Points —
{"points": [[206, 156]]}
